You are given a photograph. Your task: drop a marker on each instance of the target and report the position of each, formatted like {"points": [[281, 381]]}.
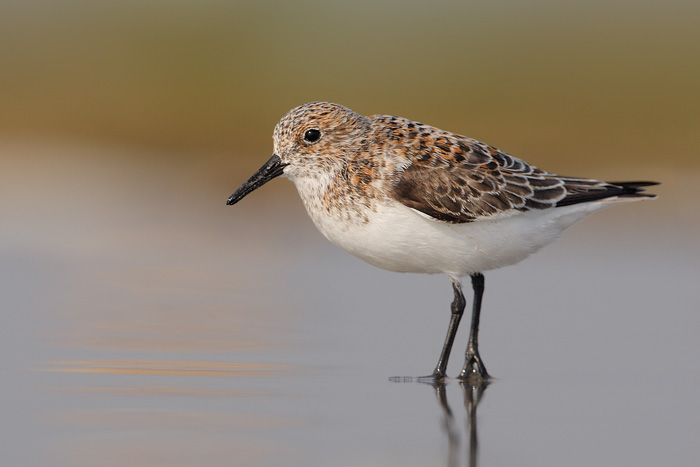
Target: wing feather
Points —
{"points": [[457, 179]]}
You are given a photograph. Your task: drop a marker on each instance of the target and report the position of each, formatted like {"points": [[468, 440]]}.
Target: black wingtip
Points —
{"points": [[635, 189], [634, 184], [608, 190]]}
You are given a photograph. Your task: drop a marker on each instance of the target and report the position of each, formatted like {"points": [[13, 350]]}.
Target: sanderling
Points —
{"points": [[409, 197]]}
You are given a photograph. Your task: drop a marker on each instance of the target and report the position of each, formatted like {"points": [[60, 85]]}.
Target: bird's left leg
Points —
{"points": [[474, 369]]}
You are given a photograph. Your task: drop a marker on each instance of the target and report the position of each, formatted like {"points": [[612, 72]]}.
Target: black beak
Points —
{"points": [[272, 168]]}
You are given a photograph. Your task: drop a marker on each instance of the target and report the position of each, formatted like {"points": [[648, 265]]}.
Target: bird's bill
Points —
{"points": [[271, 169]]}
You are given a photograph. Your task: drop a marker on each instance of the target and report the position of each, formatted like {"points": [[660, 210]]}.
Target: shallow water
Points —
{"points": [[146, 323]]}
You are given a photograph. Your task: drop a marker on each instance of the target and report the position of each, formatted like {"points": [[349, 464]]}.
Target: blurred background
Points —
{"points": [[138, 309], [575, 85]]}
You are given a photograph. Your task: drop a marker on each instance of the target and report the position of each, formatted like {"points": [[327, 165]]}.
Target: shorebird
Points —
{"points": [[409, 197]]}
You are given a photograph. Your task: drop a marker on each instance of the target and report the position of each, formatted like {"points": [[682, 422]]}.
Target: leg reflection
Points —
{"points": [[473, 392], [448, 424]]}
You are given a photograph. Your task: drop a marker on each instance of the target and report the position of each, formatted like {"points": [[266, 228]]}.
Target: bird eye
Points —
{"points": [[312, 135]]}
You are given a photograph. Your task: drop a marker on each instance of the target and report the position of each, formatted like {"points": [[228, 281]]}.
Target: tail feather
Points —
{"points": [[635, 189], [584, 192], [634, 184]]}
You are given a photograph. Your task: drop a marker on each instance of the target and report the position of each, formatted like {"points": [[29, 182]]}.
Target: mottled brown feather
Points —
{"points": [[457, 179]]}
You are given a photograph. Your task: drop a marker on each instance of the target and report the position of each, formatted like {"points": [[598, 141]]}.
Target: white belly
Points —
{"points": [[401, 239]]}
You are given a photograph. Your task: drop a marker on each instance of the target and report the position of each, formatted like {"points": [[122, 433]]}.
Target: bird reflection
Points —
{"points": [[472, 392]]}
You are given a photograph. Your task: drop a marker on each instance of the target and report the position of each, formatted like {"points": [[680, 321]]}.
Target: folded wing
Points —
{"points": [[459, 180]]}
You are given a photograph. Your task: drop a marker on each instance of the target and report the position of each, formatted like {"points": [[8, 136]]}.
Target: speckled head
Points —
{"points": [[311, 139], [318, 133]]}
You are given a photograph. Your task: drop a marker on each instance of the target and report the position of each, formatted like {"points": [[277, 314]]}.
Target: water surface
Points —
{"points": [[146, 323]]}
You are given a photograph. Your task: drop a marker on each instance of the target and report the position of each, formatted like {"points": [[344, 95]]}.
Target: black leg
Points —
{"points": [[457, 307], [474, 368]]}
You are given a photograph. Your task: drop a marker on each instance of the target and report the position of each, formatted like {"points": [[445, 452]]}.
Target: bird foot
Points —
{"points": [[474, 370]]}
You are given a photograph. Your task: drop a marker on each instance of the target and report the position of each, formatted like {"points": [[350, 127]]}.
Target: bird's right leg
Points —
{"points": [[457, 308]]}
